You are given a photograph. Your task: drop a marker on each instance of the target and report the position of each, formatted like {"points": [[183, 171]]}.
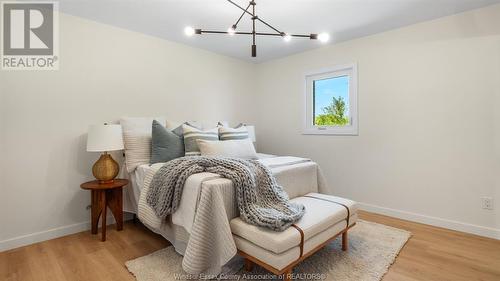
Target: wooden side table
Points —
{"points": [[106, 195]]}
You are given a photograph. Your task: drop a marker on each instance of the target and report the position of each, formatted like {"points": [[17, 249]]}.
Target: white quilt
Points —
{"points": [[200, 229]]}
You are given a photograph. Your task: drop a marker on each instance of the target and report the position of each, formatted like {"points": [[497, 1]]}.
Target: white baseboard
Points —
{"points": [[51, 234], [434, 221]]}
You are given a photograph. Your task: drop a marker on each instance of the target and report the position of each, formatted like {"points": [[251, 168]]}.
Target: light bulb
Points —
{"points": [[287, 37], [189, 31], [231, 31], [323, 37]]}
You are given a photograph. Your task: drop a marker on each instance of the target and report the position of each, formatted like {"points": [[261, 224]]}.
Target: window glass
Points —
{"points": [[331, 101]]}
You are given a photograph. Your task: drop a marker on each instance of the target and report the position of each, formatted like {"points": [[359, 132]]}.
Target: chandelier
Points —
{"points": [[250, 11]]}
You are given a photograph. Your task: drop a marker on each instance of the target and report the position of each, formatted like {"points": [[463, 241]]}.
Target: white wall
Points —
{"points": [[429, 121], [429, 142], [105, 73]]}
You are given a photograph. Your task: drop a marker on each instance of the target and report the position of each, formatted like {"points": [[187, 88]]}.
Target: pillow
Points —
{"points": [[165, 144], [238, 133], [178, 125], [137, 140], [232, 148], [178, 131], [191, 134]]}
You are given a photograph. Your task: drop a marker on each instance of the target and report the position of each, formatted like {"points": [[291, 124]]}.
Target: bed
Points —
{"points": [[207, 206], [199, 229]]}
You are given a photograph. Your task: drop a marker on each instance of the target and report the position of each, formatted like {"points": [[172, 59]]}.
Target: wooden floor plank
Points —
{"points": [[431, 254], [440, 254]]}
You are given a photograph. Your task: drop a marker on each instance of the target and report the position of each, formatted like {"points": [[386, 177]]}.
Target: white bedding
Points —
{"points": [[132, 192]]}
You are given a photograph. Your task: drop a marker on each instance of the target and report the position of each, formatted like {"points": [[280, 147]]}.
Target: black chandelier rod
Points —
{"points": [[254, 17], [201, 31], [270, 26], [242, 14], [254, 46]]}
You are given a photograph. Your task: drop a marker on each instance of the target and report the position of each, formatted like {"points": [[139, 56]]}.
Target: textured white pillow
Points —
{"points": [[231, 148], [137, 140]]}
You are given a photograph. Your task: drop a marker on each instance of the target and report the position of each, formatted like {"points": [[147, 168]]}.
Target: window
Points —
{"points": [[331, 101]]}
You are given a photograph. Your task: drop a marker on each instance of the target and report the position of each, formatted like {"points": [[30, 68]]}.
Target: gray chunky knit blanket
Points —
{"points": [[261, 201]]}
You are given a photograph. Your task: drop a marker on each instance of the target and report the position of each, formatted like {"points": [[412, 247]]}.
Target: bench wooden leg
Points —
{"points": [[248, 265], [345, 241], [287, 275]]}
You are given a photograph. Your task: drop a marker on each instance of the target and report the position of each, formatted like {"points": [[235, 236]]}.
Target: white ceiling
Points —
{"points": [[342, 19]]}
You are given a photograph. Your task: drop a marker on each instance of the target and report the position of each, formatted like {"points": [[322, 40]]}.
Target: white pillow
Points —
{"points": [[137, 140], [231, 148]]}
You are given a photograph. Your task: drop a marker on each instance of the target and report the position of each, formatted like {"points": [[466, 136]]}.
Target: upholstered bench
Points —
{"points": [[326, 217]]}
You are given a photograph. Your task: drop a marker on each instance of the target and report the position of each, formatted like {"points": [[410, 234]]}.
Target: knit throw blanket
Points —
{"points": [[261, 201]]}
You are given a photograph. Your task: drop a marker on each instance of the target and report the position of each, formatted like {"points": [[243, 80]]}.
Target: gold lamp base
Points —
{"points": [[105, 169]]}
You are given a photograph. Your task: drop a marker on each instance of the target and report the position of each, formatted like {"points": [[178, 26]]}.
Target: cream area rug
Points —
{"points": [[372, 249]]}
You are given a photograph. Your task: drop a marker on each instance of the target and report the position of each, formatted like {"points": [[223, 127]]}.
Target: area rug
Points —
{"points": [[373, 248]]}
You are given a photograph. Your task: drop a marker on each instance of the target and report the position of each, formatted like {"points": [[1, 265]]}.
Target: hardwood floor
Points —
{"points": [[431, 254], [81, 256], [439, 254]]}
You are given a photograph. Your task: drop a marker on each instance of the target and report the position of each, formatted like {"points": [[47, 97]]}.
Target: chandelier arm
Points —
{"points": [[239, 19], [241, 8], [223, 32], [256, 33], [280, 35], [302, 35], [270, 26]]}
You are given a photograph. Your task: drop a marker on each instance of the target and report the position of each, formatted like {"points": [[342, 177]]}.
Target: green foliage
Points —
{"points": [[334, 114]]}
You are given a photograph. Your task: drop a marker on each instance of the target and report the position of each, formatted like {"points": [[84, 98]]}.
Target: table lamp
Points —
{"points": [[105, 138]]}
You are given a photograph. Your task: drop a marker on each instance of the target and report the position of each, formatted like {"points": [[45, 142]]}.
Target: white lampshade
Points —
{"points": [[251, 133], [104, 138]]}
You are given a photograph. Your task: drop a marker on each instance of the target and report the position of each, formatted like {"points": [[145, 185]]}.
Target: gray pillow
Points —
{"points": [[165, 144]]}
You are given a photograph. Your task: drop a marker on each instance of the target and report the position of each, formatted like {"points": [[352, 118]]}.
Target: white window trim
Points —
{"points": [[308, 127]]}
